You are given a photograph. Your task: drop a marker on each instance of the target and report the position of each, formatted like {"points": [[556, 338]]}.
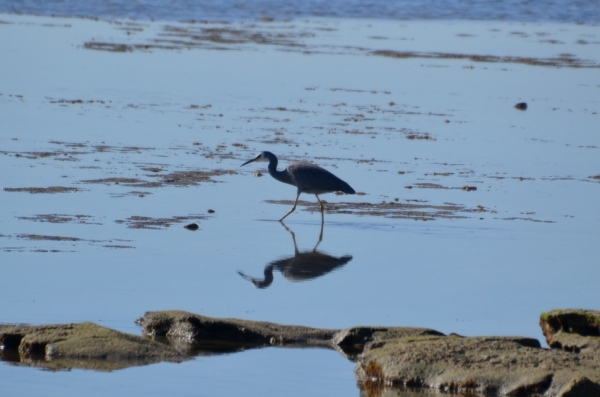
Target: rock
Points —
{"points": [[507, 366], [521, 106], [83, 345], [568, 329], [388, 359], [352, 341], [200, 332], [580, 387], [392, 357], [491, 365]]}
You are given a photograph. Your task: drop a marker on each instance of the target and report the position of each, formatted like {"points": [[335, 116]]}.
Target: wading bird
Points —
{"points": [[307, 177]]}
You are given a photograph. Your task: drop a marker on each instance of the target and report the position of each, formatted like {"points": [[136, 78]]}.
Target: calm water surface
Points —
{"points": [[584, 11], [525, 241]]}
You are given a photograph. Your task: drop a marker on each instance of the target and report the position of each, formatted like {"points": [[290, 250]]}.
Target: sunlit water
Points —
{"points": [[534, 247]]}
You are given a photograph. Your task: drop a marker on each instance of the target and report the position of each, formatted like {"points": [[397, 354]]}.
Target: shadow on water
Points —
{"points": [[302, 266]]}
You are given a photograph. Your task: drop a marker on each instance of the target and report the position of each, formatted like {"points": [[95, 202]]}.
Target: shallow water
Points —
{"points": [[523, 242], [582, 11]]}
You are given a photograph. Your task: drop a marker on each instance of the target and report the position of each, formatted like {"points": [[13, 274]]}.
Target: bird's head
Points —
{"points": [[262, 156]]}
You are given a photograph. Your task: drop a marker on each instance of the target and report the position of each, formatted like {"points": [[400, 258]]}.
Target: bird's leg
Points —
{"points": [[293, 208], [320, 203]]}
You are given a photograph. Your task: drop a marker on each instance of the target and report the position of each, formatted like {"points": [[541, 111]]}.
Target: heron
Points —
{"points": [[307, 177]]}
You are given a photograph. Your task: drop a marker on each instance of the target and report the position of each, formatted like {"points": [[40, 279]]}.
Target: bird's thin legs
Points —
{"points": [[320, 203], [293, 208]]}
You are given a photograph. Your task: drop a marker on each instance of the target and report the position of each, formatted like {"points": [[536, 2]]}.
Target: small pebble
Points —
{"points": [[521, 106]]}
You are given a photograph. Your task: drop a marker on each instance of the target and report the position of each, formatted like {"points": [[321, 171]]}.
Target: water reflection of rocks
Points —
{"points": [[302, 266]]}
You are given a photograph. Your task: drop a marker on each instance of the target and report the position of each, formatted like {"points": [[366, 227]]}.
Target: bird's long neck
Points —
{"points": [[281, 176]]}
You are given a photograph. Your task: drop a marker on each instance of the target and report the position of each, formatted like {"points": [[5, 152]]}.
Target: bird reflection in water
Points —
{"points": [[302, 266]]}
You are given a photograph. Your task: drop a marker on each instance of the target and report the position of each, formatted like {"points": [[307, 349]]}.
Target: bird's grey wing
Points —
{"points": [[311, 178]]}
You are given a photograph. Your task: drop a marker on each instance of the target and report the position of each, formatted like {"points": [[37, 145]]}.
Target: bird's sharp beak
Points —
{"points": [[249, 161]]}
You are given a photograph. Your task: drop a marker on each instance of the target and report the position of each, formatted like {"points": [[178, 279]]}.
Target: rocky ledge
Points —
{"points": [[490, 365], [388, 359], [84, 345]]}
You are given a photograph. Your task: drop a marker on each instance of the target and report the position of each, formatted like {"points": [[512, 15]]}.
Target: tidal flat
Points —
{"points": [[472, 216]]}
